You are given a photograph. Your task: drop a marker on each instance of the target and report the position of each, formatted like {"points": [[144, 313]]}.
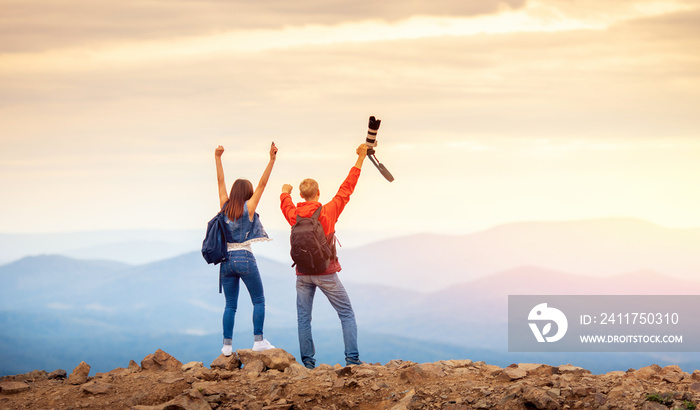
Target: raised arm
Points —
{"points": [[223, 194], [361, 155], [255, 199], [287, 205], [341, 198]]}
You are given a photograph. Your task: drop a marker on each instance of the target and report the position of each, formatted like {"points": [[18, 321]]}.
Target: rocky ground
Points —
{"points": [[274, 380]]}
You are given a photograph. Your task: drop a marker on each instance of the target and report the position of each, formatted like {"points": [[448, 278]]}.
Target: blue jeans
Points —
{"points": [[331, 286], [241, 265]]}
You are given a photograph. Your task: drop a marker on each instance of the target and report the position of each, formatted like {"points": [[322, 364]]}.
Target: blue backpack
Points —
{"points": [[214, 247]]}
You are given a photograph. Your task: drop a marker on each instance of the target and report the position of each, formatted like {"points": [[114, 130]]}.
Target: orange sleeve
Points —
{"points": [[337, 204], [288, 208]]}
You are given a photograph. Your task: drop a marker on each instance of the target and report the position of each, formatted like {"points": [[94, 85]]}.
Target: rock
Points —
{"points": [[410, 375], [224, 374], [345, 371], [539, 398], [80, 374], [192, 365], [530, 367], [133, 366], [95, 387], [672, 374], [404, 403], [490, 369], [203, 373], [571, 369], [171, 379], [222, 362], [513, 373], [58, 374], [276, 359], [618, 392], [615, 374], [190, 400], [13, 387], [398, 364], [650, 405], [405, 386], [254, 367], [207, 388], [534, 369], [581, 391], [33, 376], [648, 372], [359, 371], [160, 361], [599, 399], [297, 370], [119, 371], [506, 400], [454, 364], [429, 370]]}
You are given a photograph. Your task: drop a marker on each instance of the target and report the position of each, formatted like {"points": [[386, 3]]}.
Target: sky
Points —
{"points": [[492, 111]]}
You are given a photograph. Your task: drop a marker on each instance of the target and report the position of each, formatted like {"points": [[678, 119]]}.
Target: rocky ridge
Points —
{"points": [[273, 380]]}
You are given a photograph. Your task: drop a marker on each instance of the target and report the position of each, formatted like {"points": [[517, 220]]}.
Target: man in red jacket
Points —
{"points": [[327, 281]]}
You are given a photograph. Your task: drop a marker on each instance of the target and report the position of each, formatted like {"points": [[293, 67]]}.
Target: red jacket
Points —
{"points": [[329, 213]]}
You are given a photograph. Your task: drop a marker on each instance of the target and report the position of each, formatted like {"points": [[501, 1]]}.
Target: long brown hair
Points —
{"points": [[241, 191]]}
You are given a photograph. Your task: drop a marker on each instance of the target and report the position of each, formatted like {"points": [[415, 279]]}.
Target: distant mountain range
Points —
{"points": [[144, 246], [421, 298], [594, 248]]}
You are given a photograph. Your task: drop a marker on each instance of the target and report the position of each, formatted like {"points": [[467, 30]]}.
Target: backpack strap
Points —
{"points": [[222, 216], [317, 213]]}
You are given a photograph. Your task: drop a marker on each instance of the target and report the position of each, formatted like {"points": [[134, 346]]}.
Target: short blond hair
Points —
{"points": [[308, 188]]}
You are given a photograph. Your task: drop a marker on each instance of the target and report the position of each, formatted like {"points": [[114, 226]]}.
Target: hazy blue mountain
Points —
{"points": [[56, 311], [38, 281], [598, 248], [144, 246], [128, 246], [29, 342], [422, 262]]}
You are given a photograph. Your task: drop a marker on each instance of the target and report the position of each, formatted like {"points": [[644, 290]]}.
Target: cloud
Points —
{"points": [[37, 25], [59, 306], [204, 305], [196, 332], [99, 308], [117, 134]]}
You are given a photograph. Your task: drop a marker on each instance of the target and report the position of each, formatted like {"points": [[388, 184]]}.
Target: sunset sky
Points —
{"points": [[492, 111]]}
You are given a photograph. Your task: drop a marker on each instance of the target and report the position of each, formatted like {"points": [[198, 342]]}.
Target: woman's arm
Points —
{"points": [[253, 201], [223, 195]]}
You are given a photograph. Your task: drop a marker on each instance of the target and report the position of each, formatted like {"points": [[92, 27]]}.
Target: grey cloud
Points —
{"points": [[36, 25], [639, 78], [678, 24]]}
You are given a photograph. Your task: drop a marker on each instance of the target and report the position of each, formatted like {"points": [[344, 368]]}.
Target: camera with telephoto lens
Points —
{"points": [[371, 141]]}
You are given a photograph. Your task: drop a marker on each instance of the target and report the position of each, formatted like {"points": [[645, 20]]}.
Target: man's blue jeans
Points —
{"points": [[331, 286], [241, 265]]}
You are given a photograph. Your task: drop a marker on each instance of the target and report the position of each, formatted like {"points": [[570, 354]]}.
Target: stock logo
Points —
{"points": [[547, 315]]}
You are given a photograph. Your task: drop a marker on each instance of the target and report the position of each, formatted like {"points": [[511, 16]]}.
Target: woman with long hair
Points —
{"points": [[245, 228]]}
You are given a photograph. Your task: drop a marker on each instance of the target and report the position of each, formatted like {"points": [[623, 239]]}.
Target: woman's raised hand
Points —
{"points": [[219, 150], [273, 151]]}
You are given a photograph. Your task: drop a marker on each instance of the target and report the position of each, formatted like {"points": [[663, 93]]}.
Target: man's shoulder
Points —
{"points": [[306, 209]]}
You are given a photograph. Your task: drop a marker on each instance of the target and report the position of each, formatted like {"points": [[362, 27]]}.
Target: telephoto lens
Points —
{"points": [[372, 131]]}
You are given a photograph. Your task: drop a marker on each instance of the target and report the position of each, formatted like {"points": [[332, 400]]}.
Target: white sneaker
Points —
{"points": [[261, 345], [227, 350]]}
